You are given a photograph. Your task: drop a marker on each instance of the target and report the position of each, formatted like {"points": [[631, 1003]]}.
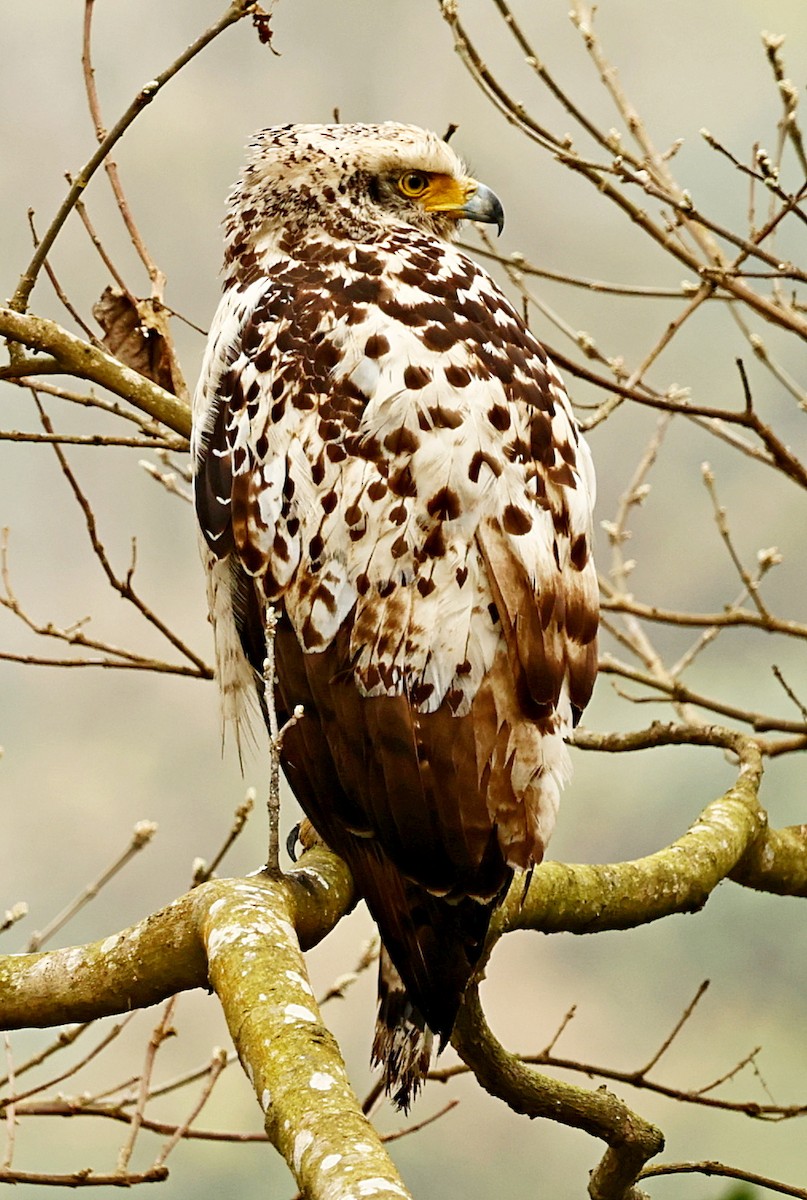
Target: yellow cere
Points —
{"points": [[440, 193]]}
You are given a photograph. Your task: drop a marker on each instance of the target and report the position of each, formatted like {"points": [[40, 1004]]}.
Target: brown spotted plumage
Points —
{"points": [[385, 453]]}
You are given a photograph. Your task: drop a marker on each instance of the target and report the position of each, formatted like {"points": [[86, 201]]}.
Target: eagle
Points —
{"points": [[387, 460]]}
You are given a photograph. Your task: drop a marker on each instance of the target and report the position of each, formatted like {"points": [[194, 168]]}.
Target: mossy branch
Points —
{"points": [[587, 899], [311, 1113], [162, 955], [631, 1140], [775, 862], [583, 898], [242, 938]]}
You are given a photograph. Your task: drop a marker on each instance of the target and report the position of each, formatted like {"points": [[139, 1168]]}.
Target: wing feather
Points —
{"points": [[384, 451]]}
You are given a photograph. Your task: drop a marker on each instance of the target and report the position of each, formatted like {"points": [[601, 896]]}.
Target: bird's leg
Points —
{"points": [[275, 741], [273, 802]]}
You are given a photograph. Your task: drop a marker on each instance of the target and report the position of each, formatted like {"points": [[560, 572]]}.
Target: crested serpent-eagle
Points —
{"points": [[386, 455]]}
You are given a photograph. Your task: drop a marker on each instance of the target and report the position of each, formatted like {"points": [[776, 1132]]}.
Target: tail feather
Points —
{"points": [[403, 1042], [424, 854]]}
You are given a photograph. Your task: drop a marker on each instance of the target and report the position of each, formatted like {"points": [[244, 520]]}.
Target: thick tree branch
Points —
{"points": [[583, 898], [79, 358], [776, 861], [631, 1140], [241, 938], [162, 955], [311, 1113]]}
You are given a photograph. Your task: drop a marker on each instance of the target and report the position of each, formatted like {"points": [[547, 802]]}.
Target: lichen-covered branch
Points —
{"points": [[631, 1140], [240, 937], [140, 966], [311, 1113], [585, 899], [162, 955], [589, 898], [243, 938], [776, 861]]}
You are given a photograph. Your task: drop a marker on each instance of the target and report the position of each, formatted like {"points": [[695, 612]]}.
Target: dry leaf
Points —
{"points": [[137, 333], [261, 19]]}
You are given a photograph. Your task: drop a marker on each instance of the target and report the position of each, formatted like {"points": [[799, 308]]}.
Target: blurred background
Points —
{"points": [[89, 752]]}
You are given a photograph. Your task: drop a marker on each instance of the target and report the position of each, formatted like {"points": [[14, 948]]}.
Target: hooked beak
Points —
{"points": [[484, 205], [464, 199]]}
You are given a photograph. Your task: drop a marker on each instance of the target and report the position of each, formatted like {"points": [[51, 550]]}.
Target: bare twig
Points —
{"points": [[734, 617], [65, 1038], [12, 915], [204, 871], [749, 1108], [679, 1025], [154, 434], [416, 1126], [162, 1030], [81, 1107], [679, 693], [773, 44], [81, 211], [788, 690], [123, 586], [725, 533], [168, 479], [340, 985], [10, 1112], [142, 834], [155, 274], [91, 439], [217, 1064], [93, 1053], [86, 1178], [234, 12], [725, 1172], [276, 735], [59, 290]]}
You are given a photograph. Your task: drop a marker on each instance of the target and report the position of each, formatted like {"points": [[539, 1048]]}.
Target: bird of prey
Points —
{"points": [[385, 454]]}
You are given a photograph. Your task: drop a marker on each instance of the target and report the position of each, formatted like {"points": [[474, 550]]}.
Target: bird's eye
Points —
{"points": [[413, 183]]}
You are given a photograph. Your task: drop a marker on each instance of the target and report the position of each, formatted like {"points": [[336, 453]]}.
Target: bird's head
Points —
{"points": [[353, 181]]}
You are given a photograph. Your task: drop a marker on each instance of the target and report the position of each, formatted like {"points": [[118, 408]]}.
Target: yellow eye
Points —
{"points": [[413, 183]]}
